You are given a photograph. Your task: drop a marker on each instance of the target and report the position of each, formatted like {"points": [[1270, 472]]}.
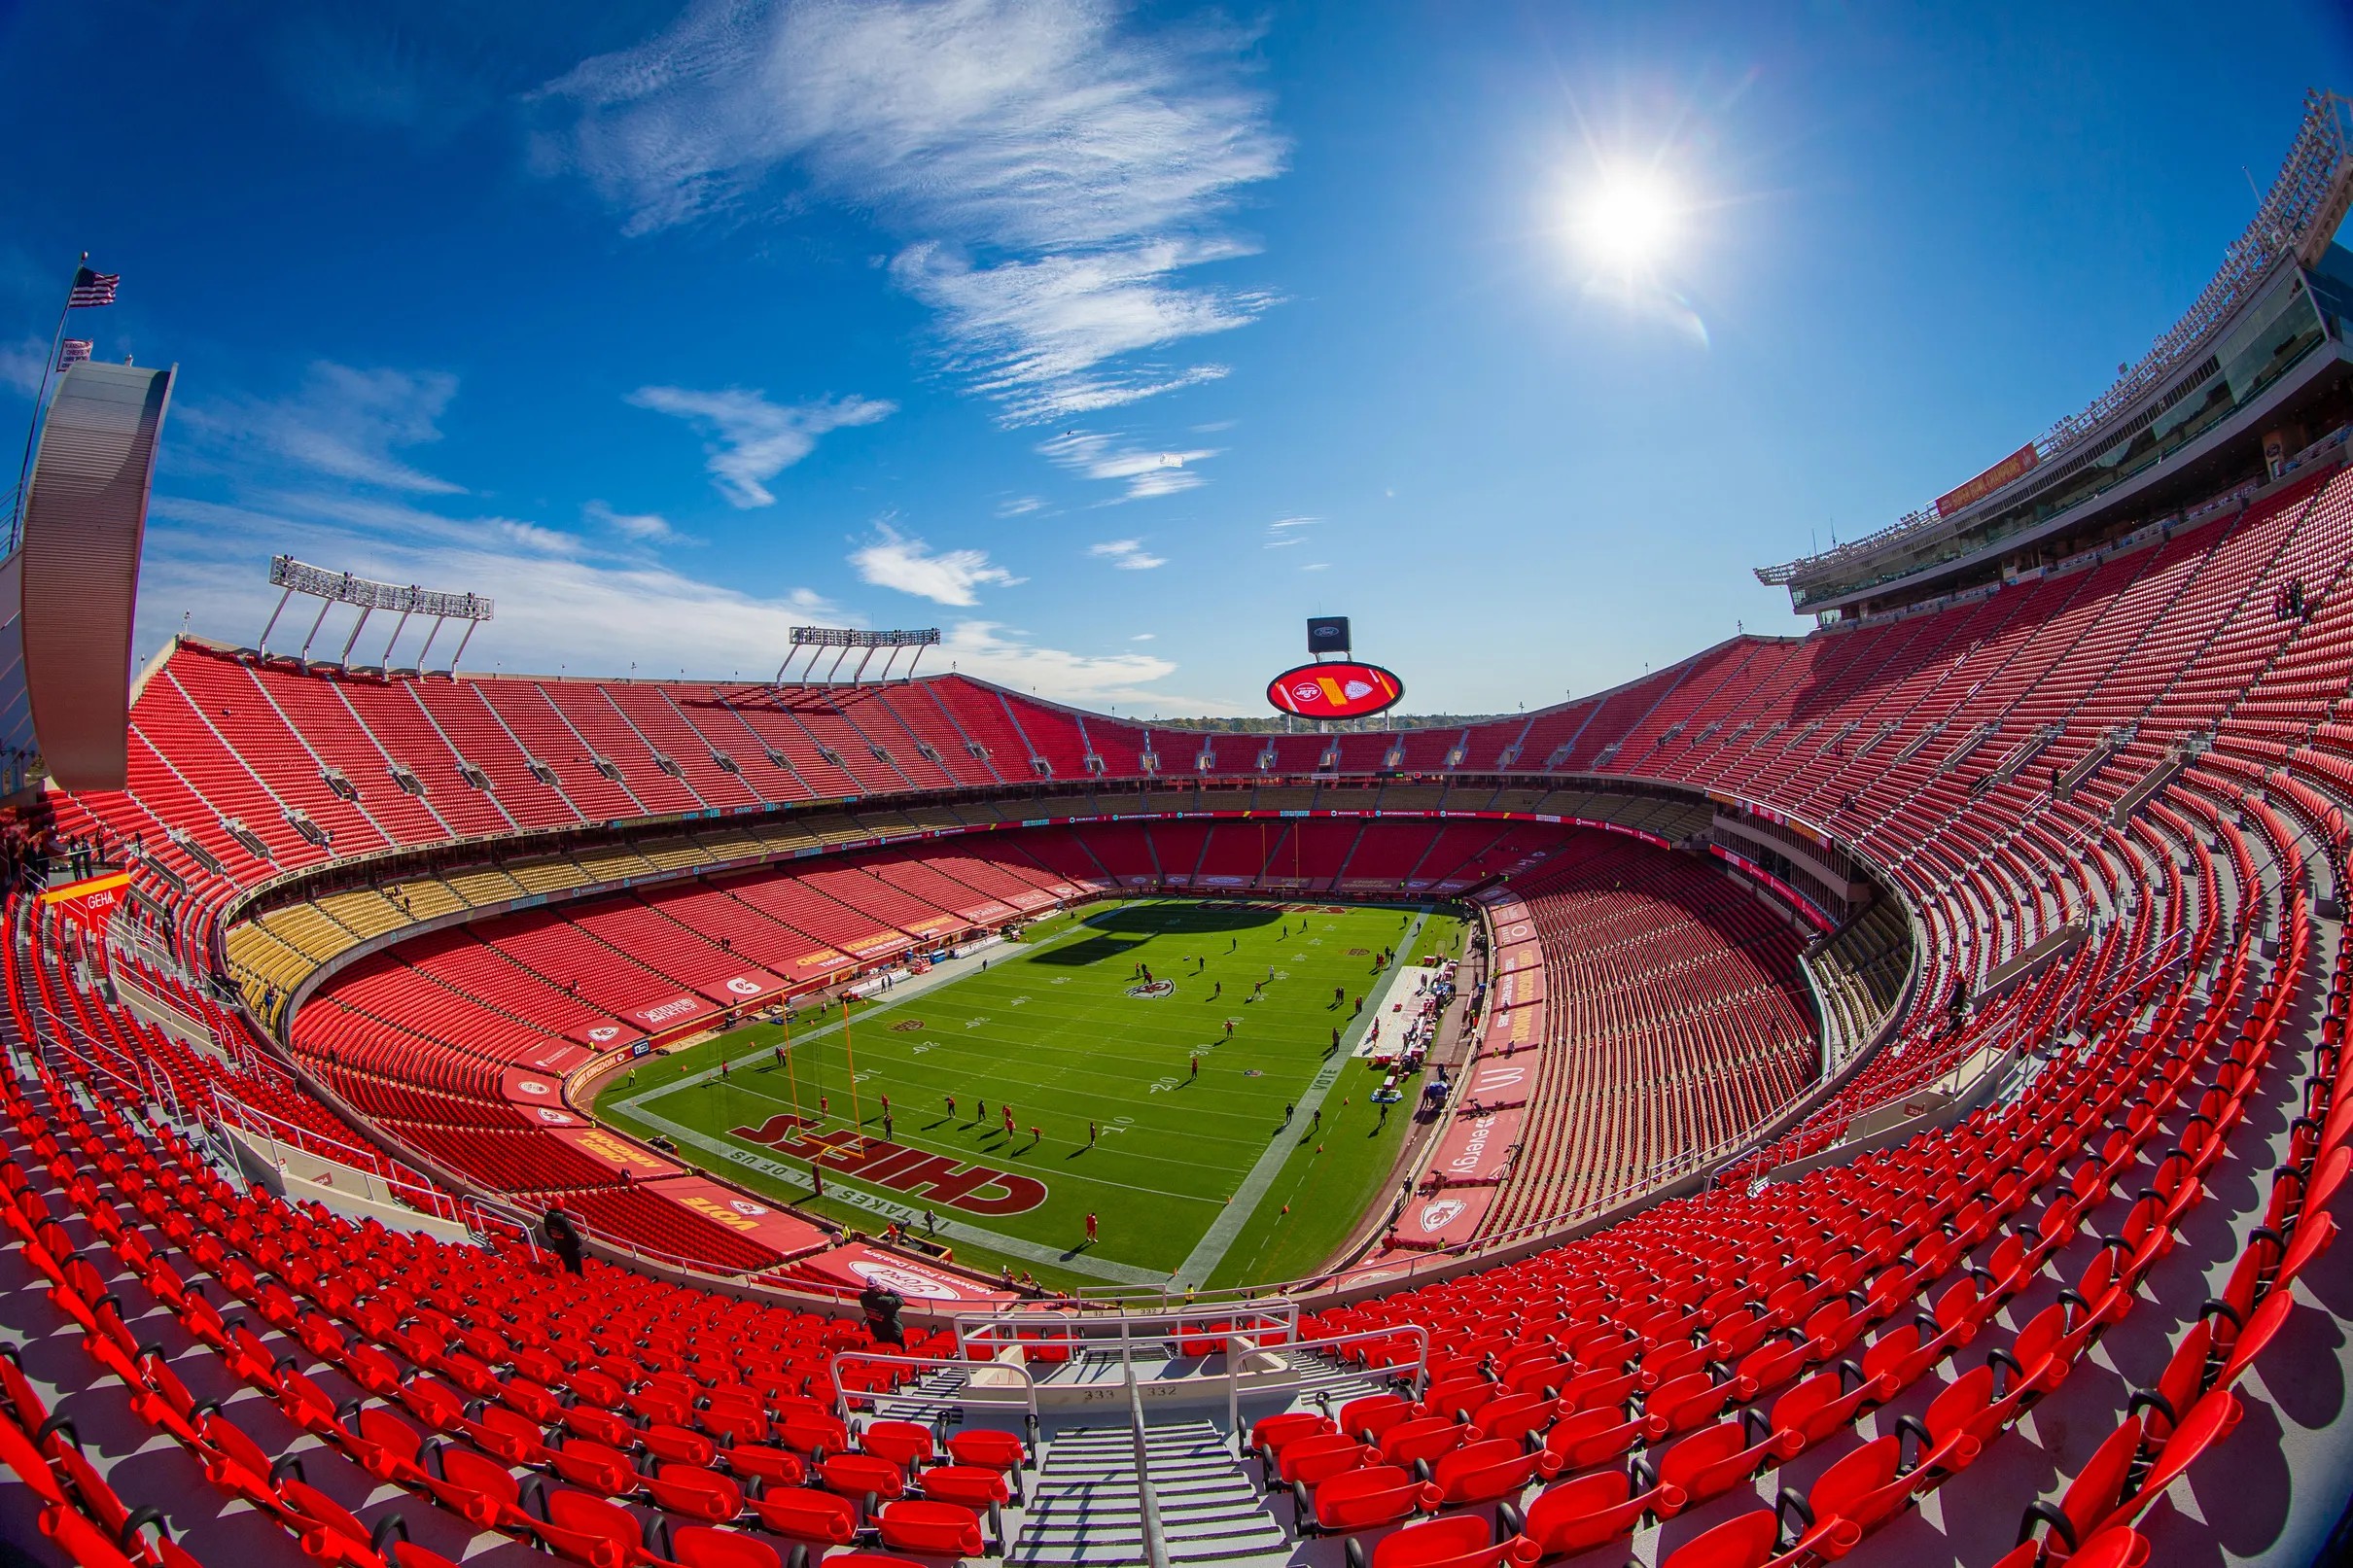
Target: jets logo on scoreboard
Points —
{"points": [[1335, 688]]}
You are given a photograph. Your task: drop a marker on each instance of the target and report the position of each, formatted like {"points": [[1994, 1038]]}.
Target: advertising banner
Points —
{"points": [[1987, 483]]}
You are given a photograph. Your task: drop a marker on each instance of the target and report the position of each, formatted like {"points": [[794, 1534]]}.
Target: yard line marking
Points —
{"points": [[971, 1156], [1210, 1250]]}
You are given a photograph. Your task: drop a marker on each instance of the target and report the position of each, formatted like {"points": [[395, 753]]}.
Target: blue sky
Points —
{"points": [[1113, 340]]}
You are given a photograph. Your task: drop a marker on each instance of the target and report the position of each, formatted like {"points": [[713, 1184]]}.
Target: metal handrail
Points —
{"points": [[842, 1394], [1421, 1355], [1035, 1329], [1147, 1500]]}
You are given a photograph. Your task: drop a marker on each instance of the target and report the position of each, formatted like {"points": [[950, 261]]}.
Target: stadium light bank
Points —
{"points": [[333, 588], [818, 639]]}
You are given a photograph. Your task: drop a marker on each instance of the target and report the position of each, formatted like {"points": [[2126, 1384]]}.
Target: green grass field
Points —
{"points": [[1189, 1177]]}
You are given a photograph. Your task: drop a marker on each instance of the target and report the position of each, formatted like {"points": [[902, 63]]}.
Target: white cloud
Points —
{"points": [[1127, 554], [749, 441], [1020, 507], [1003, 654], [644, 528], [909, 565], [1143, 636], [20, 364], [1143, 472], [1316, 566], [1036, 335], [1053, 173], [343, 423], [1281, 534], [561, 601]]}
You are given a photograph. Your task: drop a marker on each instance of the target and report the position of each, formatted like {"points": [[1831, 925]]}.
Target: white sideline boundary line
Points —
{"points": [[1210, 1250]]}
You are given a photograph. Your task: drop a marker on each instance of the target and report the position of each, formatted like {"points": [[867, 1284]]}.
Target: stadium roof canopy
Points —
{"points": [[2292, 227]]}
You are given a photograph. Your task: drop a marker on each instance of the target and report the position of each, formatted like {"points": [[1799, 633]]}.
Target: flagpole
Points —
{"points": [[15, 513], [792, 1078], [858, 1122]]}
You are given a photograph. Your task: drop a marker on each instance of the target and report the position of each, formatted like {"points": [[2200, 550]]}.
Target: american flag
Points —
{"points": [[73, 351], [93, 289]]}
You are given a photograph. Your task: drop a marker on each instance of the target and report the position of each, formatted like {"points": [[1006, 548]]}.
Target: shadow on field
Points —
{"points": [[1094, 950], [1155, 918]]}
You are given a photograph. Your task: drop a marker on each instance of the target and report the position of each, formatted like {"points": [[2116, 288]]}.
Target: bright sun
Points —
{"points": [[1628, 218]]}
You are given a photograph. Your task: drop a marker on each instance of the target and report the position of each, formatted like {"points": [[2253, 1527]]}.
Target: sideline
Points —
{"points": [[636, 1107], [1210, 1250]]}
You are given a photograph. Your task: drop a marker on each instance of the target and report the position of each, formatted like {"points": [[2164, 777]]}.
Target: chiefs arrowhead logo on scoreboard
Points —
{"points": [[1336, 688]]}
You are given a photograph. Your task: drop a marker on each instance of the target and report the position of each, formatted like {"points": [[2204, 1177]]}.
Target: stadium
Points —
{"points": [[1865, 1094]]}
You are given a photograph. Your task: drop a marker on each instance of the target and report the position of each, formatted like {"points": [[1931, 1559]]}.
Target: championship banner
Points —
{"points": [[1987, 483], [90, 901], [670, 1013], [811, 966]]}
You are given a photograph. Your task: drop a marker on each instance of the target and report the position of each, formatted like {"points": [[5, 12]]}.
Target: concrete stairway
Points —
{"points": [[1084, 1506]]}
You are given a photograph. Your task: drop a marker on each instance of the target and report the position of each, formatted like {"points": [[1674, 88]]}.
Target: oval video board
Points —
{"points": [[1335, 690]]}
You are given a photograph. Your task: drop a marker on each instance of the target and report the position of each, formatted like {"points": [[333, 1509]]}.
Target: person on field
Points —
{"points": [[1091, 1131], [1008, 1121], [951, 1107], [1090, 1226], [1196, 1064]]}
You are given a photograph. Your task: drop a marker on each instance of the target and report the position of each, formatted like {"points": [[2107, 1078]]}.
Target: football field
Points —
{"points": [[1187, 1113]]}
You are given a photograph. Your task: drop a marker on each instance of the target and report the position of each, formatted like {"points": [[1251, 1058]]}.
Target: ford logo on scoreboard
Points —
{"points": [[1335, 690]]}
